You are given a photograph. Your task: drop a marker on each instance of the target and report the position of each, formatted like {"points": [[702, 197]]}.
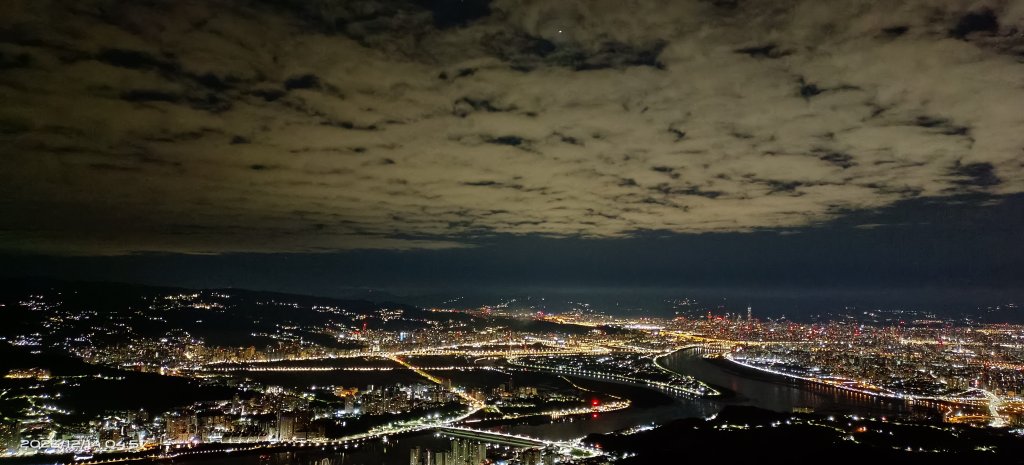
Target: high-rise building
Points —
{"points": [[182, 428], [285, 426], [750, 313], [414, 456], [462, 452], [293, 425]]}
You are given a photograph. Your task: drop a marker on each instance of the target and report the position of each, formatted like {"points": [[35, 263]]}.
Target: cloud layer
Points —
{"points": [[211, 127]]}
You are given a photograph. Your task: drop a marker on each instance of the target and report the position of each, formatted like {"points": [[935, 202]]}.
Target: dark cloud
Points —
{"points": [[930, 122], [980, 21], [495, 184], [113, 167], [839, 159], [464, 72], [615, 55], [148, 95], [808, 90], [669, 190], [569, 139], [506, 140], [455, 13], [777, 186], [669, 171], [979, 174], [763, 51], [134, 59], [268, 95], [350, 125], [213, 82], [466, 105], [895, 31], [162, 126], [518, 48], [942, 125], [523, 51], [305, 81], [19, 60]]}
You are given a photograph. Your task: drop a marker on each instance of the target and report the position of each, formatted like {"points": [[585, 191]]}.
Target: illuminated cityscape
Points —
{"points": [[511, 232], [332, 373]]}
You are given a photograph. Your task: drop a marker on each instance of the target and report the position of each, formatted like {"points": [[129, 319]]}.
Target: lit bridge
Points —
{"points": [[493, 437]]}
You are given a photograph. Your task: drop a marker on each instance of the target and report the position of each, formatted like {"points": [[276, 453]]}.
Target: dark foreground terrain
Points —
{"points": [[752, 435]]}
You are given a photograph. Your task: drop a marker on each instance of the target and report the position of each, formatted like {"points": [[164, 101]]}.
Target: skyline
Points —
{"points": [[102, 373]]}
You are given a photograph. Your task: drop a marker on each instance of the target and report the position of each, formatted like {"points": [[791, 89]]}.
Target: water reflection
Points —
{"points": [[749, 387], [746, 388]]}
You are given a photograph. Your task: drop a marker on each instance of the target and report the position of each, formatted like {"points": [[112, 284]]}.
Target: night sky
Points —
{"points": [[314, 145]]}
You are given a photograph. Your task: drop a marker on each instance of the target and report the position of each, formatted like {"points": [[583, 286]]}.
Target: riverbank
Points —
{"points": [[775, 392]]}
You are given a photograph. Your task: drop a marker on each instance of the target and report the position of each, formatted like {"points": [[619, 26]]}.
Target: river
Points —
{"points": [[743, 386]]}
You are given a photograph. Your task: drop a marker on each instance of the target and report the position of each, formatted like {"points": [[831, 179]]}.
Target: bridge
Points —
{"points": [[493, 437]]}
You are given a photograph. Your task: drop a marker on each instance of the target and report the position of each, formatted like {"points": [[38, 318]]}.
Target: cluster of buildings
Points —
{"points": [[36, 373], [508, 390], [275, 414], [462, 452], [202, 422], [399, 398], [215, 426], [178, 352], [469, 452], [917, 361]]}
